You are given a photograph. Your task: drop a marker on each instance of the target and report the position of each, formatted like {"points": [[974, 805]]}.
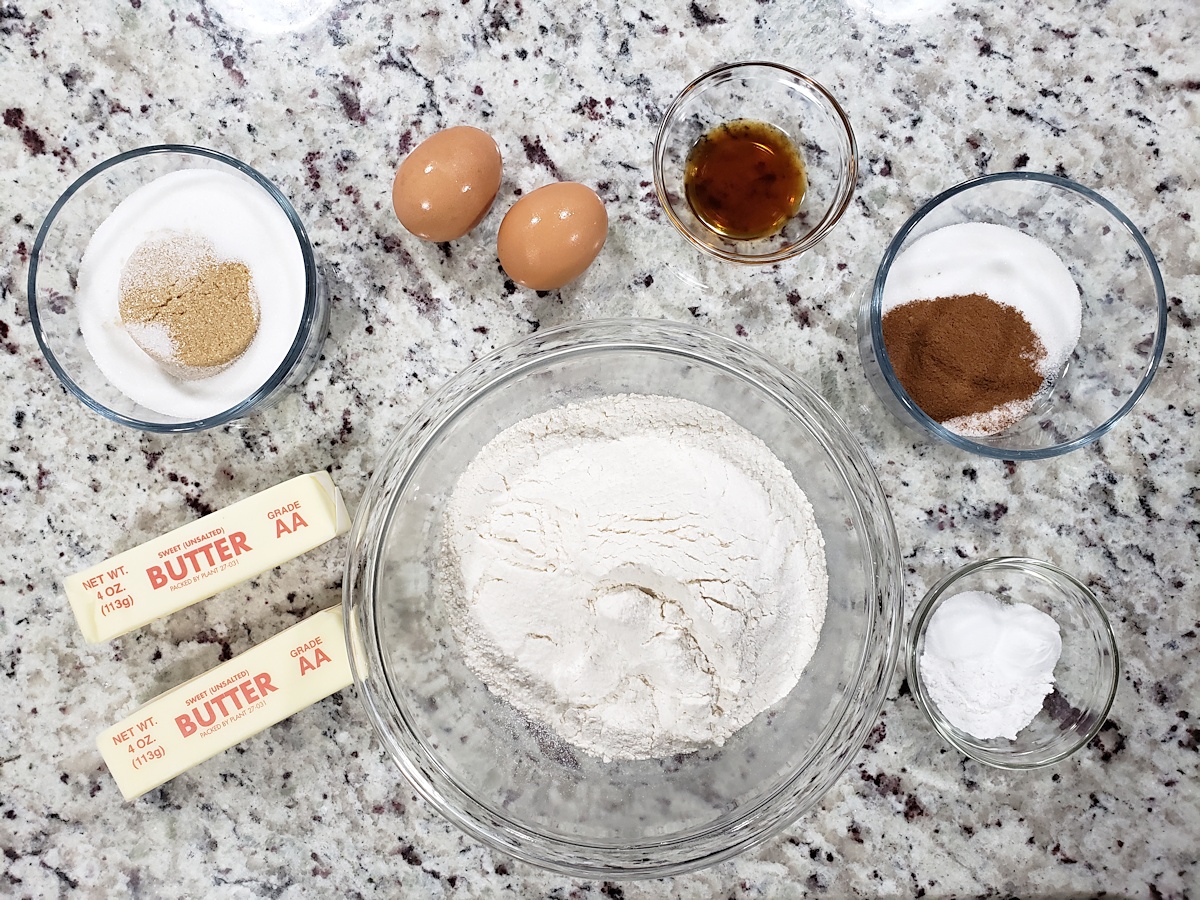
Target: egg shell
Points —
{"points": [[447, 184], [551, 235]]}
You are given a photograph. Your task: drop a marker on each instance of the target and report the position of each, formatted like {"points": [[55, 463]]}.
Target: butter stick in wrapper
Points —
{"points": [[239, 698], [207, 556]]}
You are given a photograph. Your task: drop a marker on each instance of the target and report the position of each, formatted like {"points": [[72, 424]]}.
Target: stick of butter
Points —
{"points": [[239, 698], [207, 556]]}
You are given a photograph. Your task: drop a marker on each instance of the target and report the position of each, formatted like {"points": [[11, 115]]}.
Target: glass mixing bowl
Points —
{"points": [[54, 303], [514, 786]]}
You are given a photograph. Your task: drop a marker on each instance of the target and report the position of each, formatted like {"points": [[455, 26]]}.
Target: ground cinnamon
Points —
{"points": [[963, 355]]}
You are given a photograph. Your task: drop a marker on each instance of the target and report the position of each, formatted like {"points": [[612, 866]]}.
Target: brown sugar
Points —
{"points": [[964, 355], [192, 312]]}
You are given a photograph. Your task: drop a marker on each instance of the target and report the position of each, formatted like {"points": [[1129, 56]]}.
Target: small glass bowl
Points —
{"points": [[1085, 678], [1124, 311], [800, 107], [54, 268]]}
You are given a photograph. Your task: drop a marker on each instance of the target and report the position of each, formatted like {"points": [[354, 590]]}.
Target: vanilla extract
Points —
{"points": [[745, 179]]}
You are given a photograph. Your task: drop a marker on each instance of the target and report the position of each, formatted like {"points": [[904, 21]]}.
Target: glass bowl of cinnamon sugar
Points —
{"points": [[1017, 316], [174, 288]]}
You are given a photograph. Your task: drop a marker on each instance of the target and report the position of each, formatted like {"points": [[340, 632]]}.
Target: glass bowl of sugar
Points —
{"points": [[174, 288], [1014, 662], [1017, 316]]}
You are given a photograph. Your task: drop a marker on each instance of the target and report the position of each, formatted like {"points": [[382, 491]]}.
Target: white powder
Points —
{"points": [[1008, 267], [988, 665], [638, 573], [243, 223], [271, 16]]}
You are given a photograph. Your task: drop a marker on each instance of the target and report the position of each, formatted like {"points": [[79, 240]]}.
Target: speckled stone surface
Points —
{"points": [[1106, 92]]}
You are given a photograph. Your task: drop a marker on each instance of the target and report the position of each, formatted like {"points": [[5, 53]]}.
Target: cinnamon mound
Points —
{"points": [[963, 355]]}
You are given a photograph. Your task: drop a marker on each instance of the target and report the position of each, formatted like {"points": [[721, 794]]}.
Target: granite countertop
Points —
{"points": [[1104, 92]]}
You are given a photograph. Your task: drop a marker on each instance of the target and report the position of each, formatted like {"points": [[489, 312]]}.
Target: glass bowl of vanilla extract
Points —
{"points": [[755, 162]]}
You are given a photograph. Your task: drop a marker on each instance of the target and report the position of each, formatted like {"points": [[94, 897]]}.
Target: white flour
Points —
{"points": [[638, 573]]}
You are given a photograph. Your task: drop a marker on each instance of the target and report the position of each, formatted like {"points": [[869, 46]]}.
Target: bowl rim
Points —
{"points": [[308, 316], [651, 857], [921, 618], [935, 428], [833, 214]]}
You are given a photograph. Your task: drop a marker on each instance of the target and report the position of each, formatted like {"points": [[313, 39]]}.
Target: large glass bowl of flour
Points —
{"points": [[518, 786]]}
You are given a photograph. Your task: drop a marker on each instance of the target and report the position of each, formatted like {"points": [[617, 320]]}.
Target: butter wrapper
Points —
{"points": [[207, 556], [239, 698]]}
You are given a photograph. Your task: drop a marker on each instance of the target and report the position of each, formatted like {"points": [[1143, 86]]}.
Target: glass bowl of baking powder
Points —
{"points": [[503, 775], [1018, 316], [146, 205], [1014, 662]]}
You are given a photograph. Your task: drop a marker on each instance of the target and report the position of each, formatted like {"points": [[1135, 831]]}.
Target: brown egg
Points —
{"points": [[551, 235], [447, 184]]}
